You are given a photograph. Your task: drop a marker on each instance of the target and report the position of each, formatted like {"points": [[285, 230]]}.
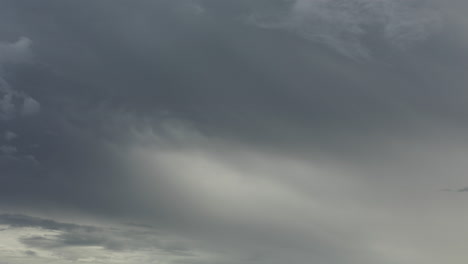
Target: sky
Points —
{"points": [[233, 132]]}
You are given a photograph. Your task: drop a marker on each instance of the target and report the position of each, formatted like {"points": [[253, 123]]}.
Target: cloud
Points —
{"points": [[346, 26], [79, 242], [14, 103], [22, 221], [17, 52], [30, 253], [9, 136], [30, 107], [8, 150], [230, 143]]}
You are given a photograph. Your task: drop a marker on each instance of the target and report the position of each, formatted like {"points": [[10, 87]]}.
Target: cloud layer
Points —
{"points": [[233, 132]]}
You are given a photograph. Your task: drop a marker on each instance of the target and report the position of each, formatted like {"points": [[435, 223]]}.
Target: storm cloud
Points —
{"points": [[233, 132]]}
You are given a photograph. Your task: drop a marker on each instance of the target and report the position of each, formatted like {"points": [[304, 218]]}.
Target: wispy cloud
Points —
{"points": [[78, 242], [346, 24]]}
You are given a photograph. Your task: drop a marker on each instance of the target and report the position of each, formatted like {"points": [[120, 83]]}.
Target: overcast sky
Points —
{"points": [[233, 132]]}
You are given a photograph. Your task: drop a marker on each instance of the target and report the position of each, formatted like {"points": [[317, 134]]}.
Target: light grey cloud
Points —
{"points": [[9, 135], [14, 104], [15, 52], [347, 26], [70, 241], [30, 107]]}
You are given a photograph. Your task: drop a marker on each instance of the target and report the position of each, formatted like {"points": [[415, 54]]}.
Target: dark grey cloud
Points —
{"points": [[253, 131], [21, 221], [30, 253]]}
